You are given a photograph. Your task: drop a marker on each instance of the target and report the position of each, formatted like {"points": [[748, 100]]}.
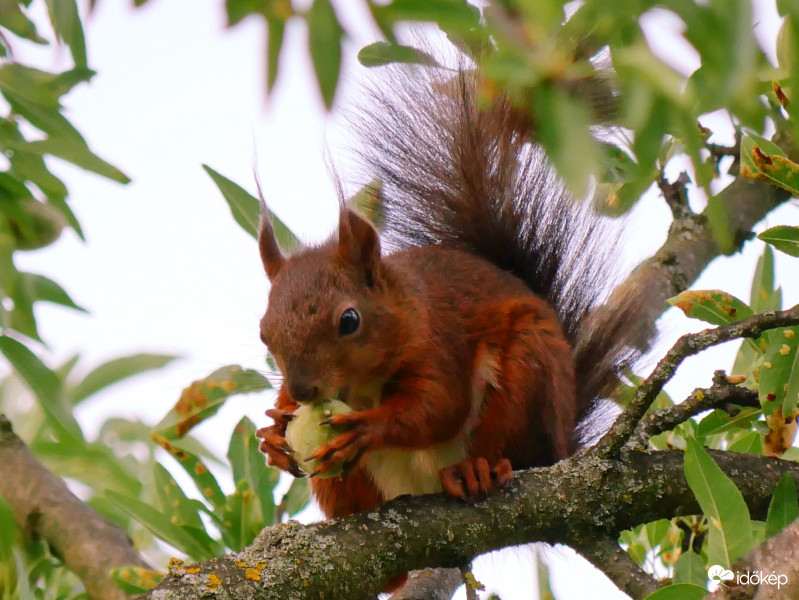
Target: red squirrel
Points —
{"points": [[475, 346]]}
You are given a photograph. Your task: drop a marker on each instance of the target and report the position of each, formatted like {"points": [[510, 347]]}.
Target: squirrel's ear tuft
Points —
{"points": [[358, 241], [267, 244]]}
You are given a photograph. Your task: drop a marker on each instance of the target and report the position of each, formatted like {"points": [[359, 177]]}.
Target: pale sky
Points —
{"points": [[166, 269]]}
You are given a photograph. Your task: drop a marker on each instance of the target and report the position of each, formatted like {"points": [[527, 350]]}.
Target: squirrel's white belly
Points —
{"points": [[397, 472]]}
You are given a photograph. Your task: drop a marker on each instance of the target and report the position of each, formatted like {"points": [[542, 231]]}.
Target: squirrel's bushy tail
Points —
{"points": [[454, 173]]}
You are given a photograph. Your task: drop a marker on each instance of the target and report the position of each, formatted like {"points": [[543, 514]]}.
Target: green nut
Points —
{"points": [[304, 433]]}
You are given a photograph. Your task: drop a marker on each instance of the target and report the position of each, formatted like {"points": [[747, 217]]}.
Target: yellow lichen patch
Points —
{"points": [[260, 565], [785, 350], [175, 565], [789, 333], [240, 563], [471, 582], [193, 570], [213, 581], [700, 395], [252, 574]]}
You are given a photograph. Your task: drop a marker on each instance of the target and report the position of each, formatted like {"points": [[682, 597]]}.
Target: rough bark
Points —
{"points": [[45, 508], [578, 500]]}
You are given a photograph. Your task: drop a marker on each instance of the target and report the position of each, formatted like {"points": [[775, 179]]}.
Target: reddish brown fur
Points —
{"points": [[431, 317]]}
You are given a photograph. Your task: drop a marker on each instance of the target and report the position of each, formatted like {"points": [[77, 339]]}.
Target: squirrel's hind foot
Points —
{"points": [[473, 478]]}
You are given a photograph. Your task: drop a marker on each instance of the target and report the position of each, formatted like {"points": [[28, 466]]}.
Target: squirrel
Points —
{"points": [[478, 343]]}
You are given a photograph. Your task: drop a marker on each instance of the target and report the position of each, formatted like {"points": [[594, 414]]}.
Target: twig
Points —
{"points": [[721, 394], [687, 345], [430, 584], [676, 195], [45, 508], [607, 556]]}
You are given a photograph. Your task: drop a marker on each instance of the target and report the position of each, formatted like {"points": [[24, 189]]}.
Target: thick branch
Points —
{"points": [[690, 246], [687, 345], [45, 508], [575, 499]]}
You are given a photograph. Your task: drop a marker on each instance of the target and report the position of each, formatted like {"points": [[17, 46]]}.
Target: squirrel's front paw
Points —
{"points": [[346, 448], [274, 445]]}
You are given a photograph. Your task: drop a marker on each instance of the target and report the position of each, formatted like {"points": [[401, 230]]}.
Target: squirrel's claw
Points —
{"points": [[345, 449], [279, 416], [278, 452], [473, 478]]}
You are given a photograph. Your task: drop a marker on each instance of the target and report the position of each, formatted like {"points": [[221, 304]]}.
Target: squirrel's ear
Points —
{"points": [[267, 244], [358, 241]]}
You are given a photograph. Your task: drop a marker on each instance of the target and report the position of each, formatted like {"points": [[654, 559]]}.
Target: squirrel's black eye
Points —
{"points": [[349, 322]]}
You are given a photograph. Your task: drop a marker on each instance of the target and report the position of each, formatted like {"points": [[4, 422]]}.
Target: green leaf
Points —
{"points": [[8, 532], [66, 22], [276, 28], [450, 16], [784, 508], [784, 238], [369, 202], [43, 289], [161, 527], [77, 154], [730, 530], [712, 306], [136, 580], [751, 443], [690, 568], [204, 397], [324, 40], [719, 421], [241, 519], [196, 469], [94, 465], [779, 375], [115, 371], [248, 465], [247, 211], [564, 130], [179, 508], [385, 53], [679, 591], [764, 295], [296, 498], [13, 19], [44, 384]]}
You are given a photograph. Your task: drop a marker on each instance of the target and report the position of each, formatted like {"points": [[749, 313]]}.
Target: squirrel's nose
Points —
{"points": [[302, 390]]}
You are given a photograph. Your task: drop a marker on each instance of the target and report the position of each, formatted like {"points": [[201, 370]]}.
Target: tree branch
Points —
{"points": [[691, 246], [583, 496], [430, 584], [45, 508], [607, 556], [687, 345], [721, 394]]}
